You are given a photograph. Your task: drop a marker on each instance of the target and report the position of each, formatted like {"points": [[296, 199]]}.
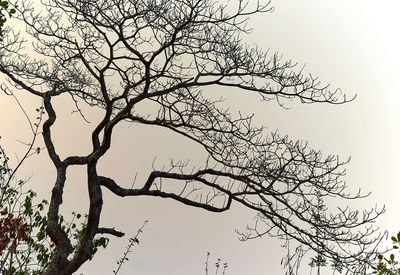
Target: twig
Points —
{"points": [[128, 250]]}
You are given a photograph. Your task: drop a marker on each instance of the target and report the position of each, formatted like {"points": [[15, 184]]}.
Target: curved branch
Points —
{"points": [[111, 185]]}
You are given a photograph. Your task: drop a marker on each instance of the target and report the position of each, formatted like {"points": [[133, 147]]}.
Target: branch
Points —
{"points": [[111, 231], [123, 192]]}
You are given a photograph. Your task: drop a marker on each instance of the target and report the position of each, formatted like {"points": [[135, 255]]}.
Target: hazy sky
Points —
{"points": [[353, 45]]}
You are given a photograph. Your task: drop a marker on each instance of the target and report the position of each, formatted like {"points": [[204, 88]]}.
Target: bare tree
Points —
{"points": [[118, 54]]}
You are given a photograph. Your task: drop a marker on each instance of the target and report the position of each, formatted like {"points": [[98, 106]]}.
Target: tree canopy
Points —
{"points": [[165, 54]]}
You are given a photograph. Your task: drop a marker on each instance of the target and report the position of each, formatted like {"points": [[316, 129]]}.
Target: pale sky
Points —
{"points": [[353, 45]]}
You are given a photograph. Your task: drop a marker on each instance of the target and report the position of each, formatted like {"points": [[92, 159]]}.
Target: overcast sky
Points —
{"points": [[353, 45]]}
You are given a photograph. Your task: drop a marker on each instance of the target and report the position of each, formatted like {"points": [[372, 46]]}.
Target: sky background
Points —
{"points": [[353, 45]]}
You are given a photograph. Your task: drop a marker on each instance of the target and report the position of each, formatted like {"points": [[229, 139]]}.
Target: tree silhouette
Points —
{"points": [[118, 54]]}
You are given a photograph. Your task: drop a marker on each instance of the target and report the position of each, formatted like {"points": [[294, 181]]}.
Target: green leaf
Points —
{"points": [[41, 236]]}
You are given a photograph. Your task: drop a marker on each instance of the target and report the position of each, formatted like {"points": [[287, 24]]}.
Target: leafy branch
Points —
{"points": [[4, 11]]}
